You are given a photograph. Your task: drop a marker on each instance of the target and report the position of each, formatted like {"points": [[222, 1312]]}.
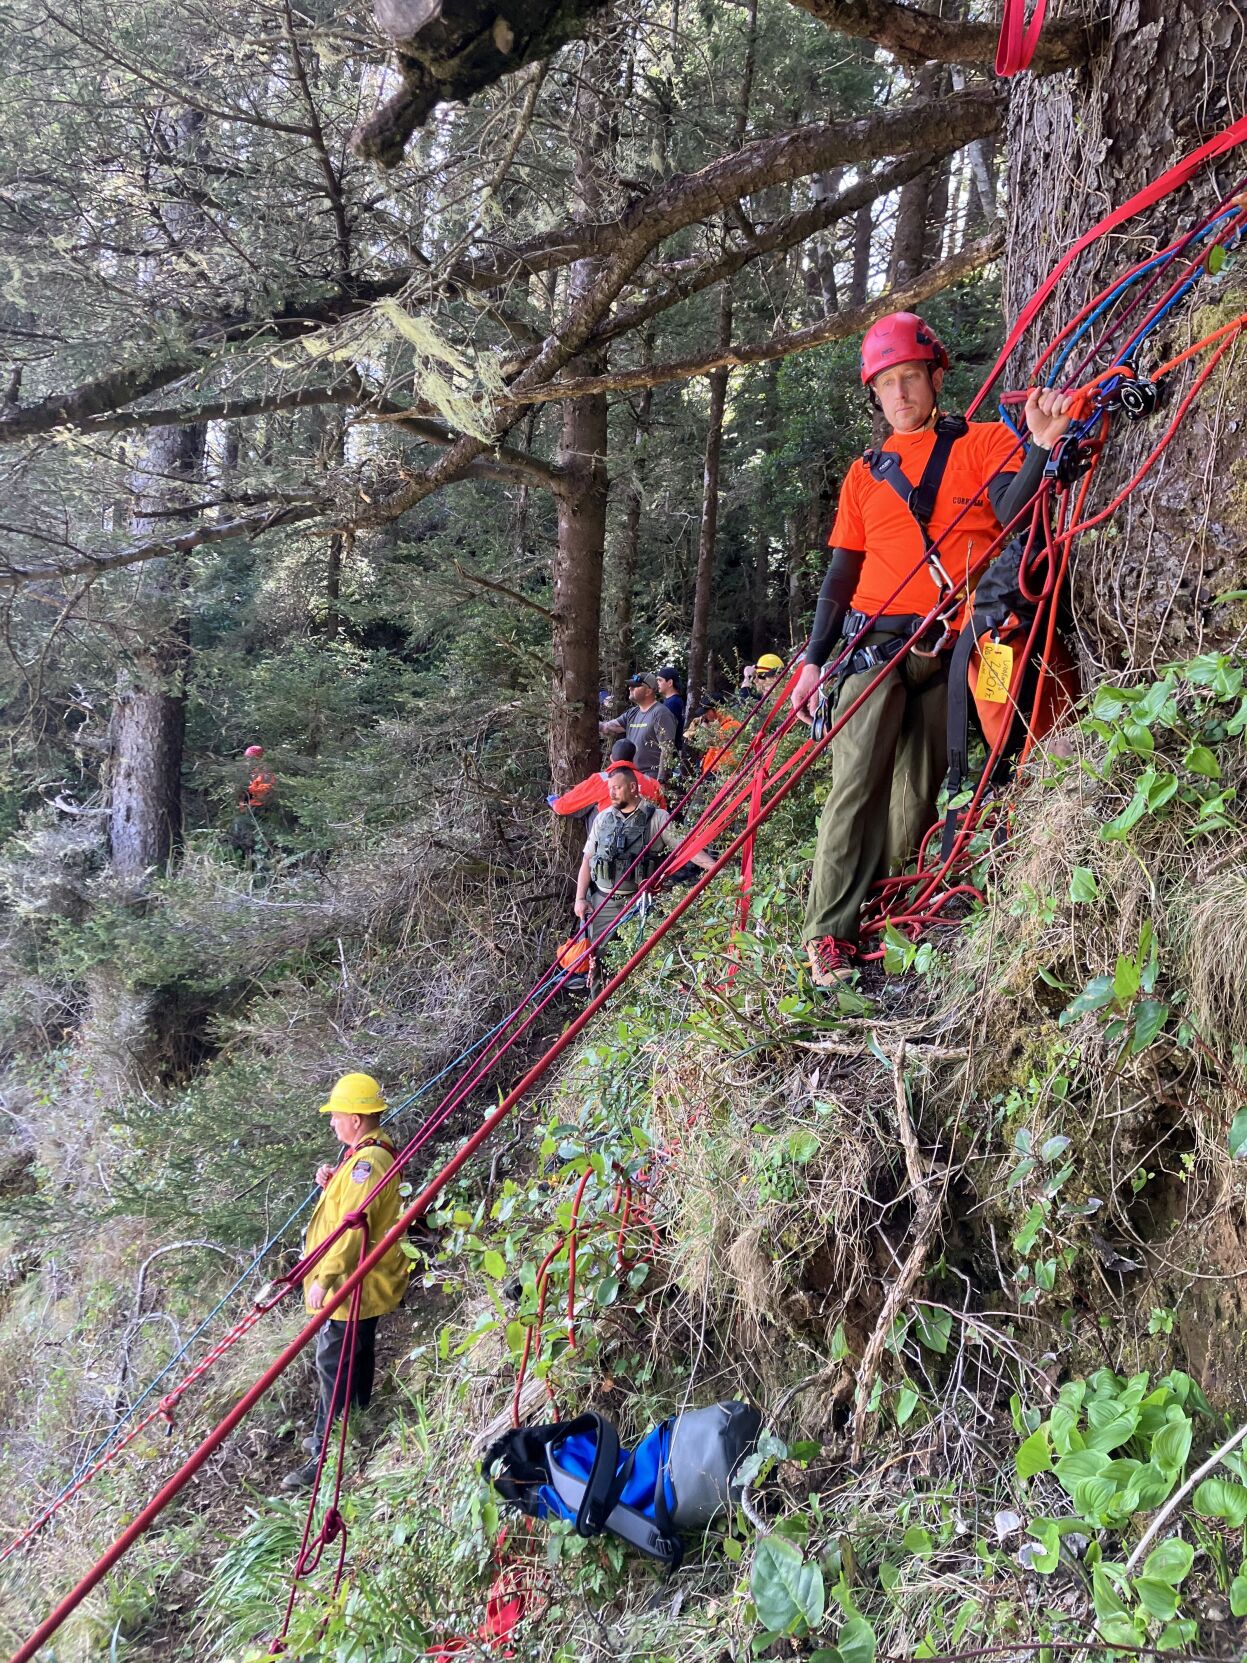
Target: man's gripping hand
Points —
{"points": [[804, 694]]}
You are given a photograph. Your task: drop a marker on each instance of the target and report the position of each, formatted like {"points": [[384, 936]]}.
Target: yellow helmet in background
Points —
{"points": [[770, 661], [355, 1094]]}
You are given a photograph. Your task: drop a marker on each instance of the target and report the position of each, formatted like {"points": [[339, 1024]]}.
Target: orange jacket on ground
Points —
{"points": [[594, 792], [872, 519]]}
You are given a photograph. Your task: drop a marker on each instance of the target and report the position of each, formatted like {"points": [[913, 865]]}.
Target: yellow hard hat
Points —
{"points": [[770, 661], [355, 1094]]}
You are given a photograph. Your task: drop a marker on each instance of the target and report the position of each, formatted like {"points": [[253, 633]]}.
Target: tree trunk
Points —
{"points": [[622, 647], [149, 715], [760, 599], [699, 641], [575, 746], [914, 204], [1167, 79], [863, 238]]}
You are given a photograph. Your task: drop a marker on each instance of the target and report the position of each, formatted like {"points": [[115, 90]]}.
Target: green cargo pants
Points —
{"points": [[887, 765]]}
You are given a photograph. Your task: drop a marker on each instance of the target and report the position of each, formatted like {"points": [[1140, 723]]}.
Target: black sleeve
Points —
{"points": [[834, 599], [1010, 493]]}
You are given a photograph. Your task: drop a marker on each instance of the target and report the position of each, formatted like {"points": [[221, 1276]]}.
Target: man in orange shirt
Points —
{"points": [[890, 557]]}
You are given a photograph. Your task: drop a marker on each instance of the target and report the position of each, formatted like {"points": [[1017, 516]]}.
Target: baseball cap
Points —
{"points": [[647, 677]]}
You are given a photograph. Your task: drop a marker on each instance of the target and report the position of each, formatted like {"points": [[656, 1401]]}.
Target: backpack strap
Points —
{"points": [[529, 1463], [885, 466]]}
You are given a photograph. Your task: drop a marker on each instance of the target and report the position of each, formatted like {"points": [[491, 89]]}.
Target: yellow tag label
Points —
{"points": [[995, 672]]}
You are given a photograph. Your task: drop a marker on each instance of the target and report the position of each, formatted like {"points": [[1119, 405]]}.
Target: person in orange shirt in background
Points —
{"points": [[889, 760], [260, 789]]}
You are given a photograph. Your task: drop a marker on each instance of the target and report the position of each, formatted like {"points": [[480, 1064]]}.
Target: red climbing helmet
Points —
{"points": [[254, 750], [900, 338]]}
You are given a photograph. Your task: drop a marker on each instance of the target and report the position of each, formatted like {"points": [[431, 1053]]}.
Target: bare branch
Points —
{"points": [[226, 409], [253, 525], [837, 327], [502, 589]]}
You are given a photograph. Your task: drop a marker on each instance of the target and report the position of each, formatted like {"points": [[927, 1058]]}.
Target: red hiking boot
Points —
{"points": [[831, 961]]}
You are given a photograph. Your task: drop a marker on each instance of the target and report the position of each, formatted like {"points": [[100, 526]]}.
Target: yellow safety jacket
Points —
{"points": [[361, 1170]]}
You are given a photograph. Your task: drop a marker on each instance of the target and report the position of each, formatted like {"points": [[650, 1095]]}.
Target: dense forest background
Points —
{"points": [[381, 406]]}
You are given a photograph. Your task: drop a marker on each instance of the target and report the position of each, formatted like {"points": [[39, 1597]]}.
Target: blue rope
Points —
{"points": [[1089, 322], [101, 1448]]}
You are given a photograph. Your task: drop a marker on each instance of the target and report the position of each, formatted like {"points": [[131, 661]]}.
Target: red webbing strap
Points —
{"points": [[1018, 39], [1152, 193]]}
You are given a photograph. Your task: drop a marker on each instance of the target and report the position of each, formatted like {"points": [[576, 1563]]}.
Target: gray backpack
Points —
{"points": [[679, 1478]]}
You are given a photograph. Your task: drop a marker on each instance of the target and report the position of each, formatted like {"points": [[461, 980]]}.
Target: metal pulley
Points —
{"points": [[1138, 399]]}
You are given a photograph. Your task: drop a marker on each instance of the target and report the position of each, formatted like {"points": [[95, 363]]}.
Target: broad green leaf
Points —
{"points": [[1238, 1595], [1094, 1497], [1048, 1534], [1170, 1561], [934, 1329], [1113, 1432], [1158, 1599], [1107, 1601], [1065, 1434], [493, 1264], [1238, 1135], [856, 1641], [607, 1290], [1083, 885], [918, 1541], [1032, 1224], [907, 1401], [1222, 1498], [787, 1589], [1172, 1445], [1121, 825], [1079, 1464], [1125, 979], [1149, 1018], [1200, 760], [1035, 1455], [1097, 993], [1177, 1636]]}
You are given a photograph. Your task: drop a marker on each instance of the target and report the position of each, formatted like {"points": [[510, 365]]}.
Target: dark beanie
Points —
{"points": [[623, 750]]}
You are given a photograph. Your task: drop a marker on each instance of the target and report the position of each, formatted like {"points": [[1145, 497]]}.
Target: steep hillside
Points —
{"points": [[971, 1236]]}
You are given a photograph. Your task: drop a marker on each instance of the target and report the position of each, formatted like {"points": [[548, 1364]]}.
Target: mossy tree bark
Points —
{"points": [[1165, 79]]}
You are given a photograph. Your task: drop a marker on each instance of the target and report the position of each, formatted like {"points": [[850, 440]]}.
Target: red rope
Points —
{"points": [[163, 1411], [1018, 39]]}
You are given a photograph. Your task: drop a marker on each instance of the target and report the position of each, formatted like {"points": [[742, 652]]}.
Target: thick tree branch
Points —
{"points": [[838, 327], [687, 200], [780, 234], [289, 322], [913, 33], [450, 49], [936, 129]]}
